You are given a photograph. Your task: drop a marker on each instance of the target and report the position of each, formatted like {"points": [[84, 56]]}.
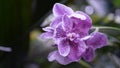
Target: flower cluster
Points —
{"points": [[70, 32]]}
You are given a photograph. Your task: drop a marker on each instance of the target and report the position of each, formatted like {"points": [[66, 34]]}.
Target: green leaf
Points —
{"points": [[111, 31], [116, 3]]}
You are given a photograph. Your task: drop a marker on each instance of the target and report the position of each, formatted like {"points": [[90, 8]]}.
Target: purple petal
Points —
{"points": [[76, 50], [81, 23], [66, 23], [97, 40], [52, 56], [60, 9], [48, 29], [89, 54], [82, 20], [46, 35], [60, 59], [88, 19], [63, 47], [81, 33], [79, 16], [55, 22], [86, 37], [81, 26], [59, 32]]}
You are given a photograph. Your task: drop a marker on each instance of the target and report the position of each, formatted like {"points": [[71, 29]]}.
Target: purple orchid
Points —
{"points": [[70, 32]]}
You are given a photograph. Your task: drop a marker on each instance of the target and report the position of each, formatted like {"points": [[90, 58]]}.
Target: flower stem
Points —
{"points": [[84, 64]]}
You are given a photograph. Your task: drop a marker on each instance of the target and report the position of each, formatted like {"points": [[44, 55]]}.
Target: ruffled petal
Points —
{"points": [[97, 40], [66, 23], [88, 19], [81, 34], [52, 56], [76, 50], [89, 54], [79, 16], [60, 59], [63, 47], [48, 29], [55, 22], [59, 32], [46, 35], [82, 22], [60, 9]]}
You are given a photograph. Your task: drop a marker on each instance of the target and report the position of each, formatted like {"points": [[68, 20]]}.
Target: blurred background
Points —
{"points": [[21, 23]]}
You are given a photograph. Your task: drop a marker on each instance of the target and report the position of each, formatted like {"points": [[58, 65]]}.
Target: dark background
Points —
{"points": [[17, 18], [20, 17]]}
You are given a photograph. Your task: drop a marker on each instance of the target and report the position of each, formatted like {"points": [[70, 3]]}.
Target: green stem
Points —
{"points": [[84, 64]]}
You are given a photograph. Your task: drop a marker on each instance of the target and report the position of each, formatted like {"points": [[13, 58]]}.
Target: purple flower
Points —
{"points": [[70, 32]]}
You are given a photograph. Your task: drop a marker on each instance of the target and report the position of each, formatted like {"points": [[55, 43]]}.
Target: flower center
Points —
{"points": [[72, 36]]}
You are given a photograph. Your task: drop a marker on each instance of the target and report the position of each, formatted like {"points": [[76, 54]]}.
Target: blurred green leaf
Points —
{"points": [[111, 31], [106, 49], [116, 3]]}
